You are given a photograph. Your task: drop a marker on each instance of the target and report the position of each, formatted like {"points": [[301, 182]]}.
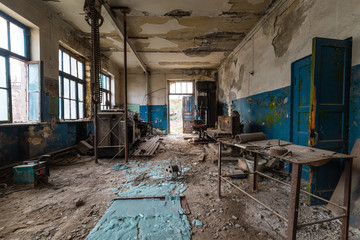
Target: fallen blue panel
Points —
{"points": [[143, 219], [154, 182]]}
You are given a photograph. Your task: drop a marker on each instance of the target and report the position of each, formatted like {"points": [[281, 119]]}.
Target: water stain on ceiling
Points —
{"points": [[164, 30]]}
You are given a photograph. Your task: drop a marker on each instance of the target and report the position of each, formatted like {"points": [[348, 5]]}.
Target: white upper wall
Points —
{"points": [[262, 62]]}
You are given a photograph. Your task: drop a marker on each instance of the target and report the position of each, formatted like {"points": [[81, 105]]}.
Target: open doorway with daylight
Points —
{"points": [[181, 106]]}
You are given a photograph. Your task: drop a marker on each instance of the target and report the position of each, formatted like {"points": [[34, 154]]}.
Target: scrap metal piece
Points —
{"points": [[174, 169]]}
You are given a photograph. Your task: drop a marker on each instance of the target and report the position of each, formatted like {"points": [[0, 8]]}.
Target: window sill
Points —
{"points": [[75, 121], [22, 124], [42, 123]]}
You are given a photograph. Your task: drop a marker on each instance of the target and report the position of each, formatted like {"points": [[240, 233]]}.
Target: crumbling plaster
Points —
{"points": [[204, 29], [266, 54]]}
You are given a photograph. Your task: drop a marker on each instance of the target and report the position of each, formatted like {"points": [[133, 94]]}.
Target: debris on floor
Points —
{"points": [[147, 148], [143, 219], [119, 166], [148, 218]]}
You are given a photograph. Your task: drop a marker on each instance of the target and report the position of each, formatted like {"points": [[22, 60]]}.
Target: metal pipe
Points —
{"points": [[253, 198], [347, 198], [147, 96], [303, 191], [219, 170], [125, 11], [109, 14], [96, 153], [320, 221]]}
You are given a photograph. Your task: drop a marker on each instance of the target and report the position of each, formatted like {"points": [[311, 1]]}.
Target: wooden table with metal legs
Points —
{"points": [[316, 155]]}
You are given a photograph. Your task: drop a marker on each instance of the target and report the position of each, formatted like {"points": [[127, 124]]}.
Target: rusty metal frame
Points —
{"points": [[121, 147], [292, 220]]}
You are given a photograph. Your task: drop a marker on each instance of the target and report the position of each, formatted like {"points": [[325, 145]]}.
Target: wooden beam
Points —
{"points": [[119, 27]]}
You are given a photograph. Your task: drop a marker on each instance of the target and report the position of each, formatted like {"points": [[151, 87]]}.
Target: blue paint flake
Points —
{"points": [[197, 222], [119, 166]]}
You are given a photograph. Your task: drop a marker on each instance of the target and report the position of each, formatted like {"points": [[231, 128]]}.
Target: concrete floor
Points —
{"points": [[50, 211]]}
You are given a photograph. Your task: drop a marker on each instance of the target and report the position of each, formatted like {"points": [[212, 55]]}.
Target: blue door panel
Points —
{"points": [[330, 80], [188, 113]]}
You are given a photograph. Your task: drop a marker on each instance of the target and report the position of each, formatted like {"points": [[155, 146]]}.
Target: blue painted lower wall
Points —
{"points": [[266, 112], [270, 112], [22, 142], [156, 114]]}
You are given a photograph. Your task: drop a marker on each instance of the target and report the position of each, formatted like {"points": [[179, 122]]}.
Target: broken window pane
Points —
{"points": [[73, 109], [19, 96], [66, 88], [80, 92], [66, 62], [81, 110], [4, 33], [73, 67], [33, 78], [172, 87], [34, 106], [66, 109], [33, 91], [72, 90], [3, 83], [4, 105], [17, 39], [80, 70], [60, 60]]}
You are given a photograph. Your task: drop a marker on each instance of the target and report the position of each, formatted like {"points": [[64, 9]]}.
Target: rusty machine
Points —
{"points": [[228, 127]]}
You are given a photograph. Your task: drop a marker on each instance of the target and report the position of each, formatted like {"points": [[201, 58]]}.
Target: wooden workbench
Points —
{"points": [[298, 156]]}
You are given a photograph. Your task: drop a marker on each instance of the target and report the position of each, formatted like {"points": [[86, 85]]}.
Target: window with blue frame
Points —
{"points": [[19, 77], [71, 85], [105, 92]]}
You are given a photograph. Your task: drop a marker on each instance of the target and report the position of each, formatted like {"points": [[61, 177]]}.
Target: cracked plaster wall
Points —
{"points": [[284, 36], [23, 141]]}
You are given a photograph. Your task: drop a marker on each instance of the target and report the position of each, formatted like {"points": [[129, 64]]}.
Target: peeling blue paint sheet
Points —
{"points": [[146, 219], [149, 218]]}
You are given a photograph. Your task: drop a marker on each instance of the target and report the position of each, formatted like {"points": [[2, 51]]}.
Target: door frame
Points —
{"points": [[168, 96]]}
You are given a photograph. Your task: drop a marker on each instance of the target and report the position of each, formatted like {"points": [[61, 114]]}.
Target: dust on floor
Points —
{"points": [[78, 196]]}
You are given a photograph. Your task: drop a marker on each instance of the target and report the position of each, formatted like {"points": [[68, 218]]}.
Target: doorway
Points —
{"points": [[181, 106]]}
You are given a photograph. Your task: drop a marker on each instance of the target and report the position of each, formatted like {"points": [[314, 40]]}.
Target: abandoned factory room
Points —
{"points": [[180, 119]]}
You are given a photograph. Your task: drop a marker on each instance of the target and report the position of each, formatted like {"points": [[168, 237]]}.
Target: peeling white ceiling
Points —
{"points": [[172, 34]]}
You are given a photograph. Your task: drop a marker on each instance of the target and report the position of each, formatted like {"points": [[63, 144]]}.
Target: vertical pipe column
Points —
{"points": [[125, 11], [147, 96], [256, 176], [294, 201], [347, 195], [219, 170]]}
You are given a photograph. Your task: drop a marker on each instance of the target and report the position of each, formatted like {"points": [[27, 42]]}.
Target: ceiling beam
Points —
{"points": [[119, 27]]}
